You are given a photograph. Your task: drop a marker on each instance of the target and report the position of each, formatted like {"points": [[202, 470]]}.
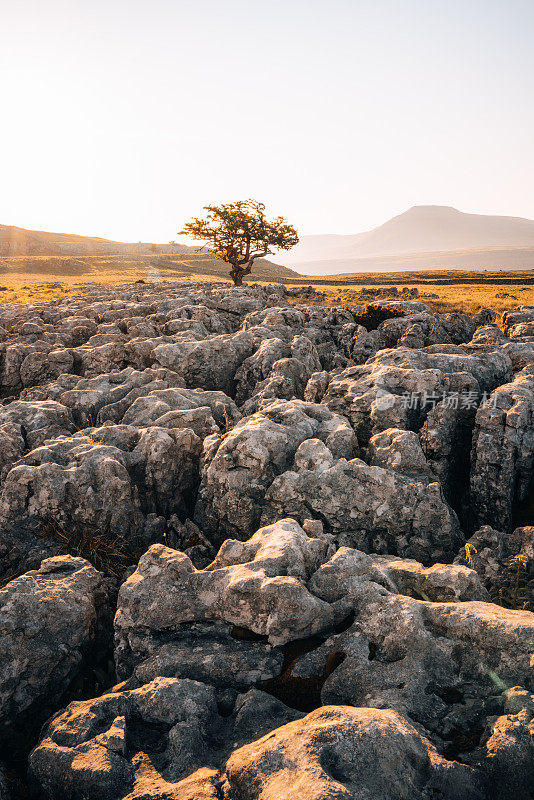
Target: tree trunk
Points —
{"points": [[236, 274]]}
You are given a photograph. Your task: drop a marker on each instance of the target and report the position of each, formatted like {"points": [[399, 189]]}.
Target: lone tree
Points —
{"points": [[238, 233]]}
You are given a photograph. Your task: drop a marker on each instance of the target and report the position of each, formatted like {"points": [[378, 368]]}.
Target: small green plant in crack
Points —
{"points": [[513, 593], [470, 550]]}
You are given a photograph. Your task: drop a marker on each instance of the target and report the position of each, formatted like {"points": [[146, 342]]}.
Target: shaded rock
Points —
{"points": [[519, 322], [504, 563], [446, 440], [50, 620], [484, 316], [508, 753], [316, 386], [440, 663], [40, 367], [25, 425], [503, 452], [112, 391], [397, 387], [258, 366]]}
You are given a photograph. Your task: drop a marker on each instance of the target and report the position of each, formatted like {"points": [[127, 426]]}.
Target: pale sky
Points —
{"points": [[122, 118]]}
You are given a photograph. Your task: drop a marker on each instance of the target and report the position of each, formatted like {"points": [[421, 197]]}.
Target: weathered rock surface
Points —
{"points": [[150, 424], [164, 739], [50, 620], [401, 451], [239, 467], [443, 664], [210, 363], [503, 452], [368, 507], [343, 752], [508, 754], [257, 586], [397, 387], [120, 481]]}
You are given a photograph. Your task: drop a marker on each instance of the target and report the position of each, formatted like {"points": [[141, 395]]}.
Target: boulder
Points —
{"points": [[507, 755], [368, 507], [239, 467], [54, 621], [165, 739], [208, 364], [443, 664], [257, 587], [503, 453], [396, 388], [401, 451], [349, 753], [120, 482]]}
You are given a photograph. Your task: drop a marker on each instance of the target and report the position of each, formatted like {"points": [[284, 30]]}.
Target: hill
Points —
{"points": [[22, 242], [133, 267], [27, 252], [424, 237]]}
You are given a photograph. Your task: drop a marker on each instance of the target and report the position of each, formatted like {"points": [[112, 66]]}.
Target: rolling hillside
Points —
{"points": [[21, 242], [27, 252]]}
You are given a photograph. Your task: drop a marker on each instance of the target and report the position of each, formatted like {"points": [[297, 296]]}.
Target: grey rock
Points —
{"points": [[368, 507], [401, 451], [257, 586], [503, 452], [208, 364], [239, 467], [352, 753], [116, 479], [50, 619]]}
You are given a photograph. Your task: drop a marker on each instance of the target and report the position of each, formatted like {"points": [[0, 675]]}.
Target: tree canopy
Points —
{"points": [[239, 233]]}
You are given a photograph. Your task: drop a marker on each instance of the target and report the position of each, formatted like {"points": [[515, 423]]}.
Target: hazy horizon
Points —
{"points": [[124, 119]]}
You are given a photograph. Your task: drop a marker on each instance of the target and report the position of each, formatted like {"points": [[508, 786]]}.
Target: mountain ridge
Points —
{"points": [[420, 229]]}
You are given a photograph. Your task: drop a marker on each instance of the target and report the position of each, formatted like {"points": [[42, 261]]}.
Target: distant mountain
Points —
{"points": [[446, 237]]}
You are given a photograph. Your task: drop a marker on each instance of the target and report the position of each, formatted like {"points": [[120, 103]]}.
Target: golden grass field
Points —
{"points": [[466, 291], [467, 298]]}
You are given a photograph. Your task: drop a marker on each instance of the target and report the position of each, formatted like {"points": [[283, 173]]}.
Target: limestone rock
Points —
{"points": [[116, 479], [368, 507], [239, 467], [164, 739], [50, 619], [503, 452], [338, 751]]}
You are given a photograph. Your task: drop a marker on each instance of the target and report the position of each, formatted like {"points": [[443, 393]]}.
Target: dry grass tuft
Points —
{"points": [[110, 554]]}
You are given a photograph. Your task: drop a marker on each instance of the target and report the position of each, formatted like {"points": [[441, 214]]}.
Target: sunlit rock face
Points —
{"points": [[254, 546]]}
